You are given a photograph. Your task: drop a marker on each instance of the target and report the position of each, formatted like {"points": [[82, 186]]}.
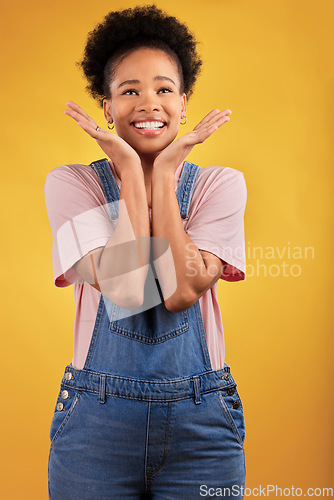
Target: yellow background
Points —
{"points": [[271, 63]]}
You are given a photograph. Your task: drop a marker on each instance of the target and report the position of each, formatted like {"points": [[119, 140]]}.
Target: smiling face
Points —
{"points": [[146, 105]]}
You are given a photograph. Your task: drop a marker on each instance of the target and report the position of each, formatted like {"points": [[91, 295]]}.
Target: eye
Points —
{"points": [[165, 88], [129, 90]]}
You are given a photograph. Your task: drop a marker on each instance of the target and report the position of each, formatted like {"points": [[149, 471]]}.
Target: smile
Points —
{"points": [[149, 125], [152, 128]]}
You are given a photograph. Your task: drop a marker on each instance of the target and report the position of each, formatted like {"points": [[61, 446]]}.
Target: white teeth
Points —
{"points": [[149, 125]]}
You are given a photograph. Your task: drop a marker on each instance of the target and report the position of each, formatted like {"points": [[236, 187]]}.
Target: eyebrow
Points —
{"points": [[159, 77]]}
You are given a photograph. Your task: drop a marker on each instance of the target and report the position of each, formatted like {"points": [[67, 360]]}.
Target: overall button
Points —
{"points": [[230, 391], [68, 376], [226, 376], [235, 405], [60, 406], [65, 394]]}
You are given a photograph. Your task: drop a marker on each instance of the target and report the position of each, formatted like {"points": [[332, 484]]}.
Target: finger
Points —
{"points": [[78, 116], [99, 135], [210, 129], [208, 117], [218, 120], [203, 132], [211, 117], [77, 113], [219, 117], [76, 108]]}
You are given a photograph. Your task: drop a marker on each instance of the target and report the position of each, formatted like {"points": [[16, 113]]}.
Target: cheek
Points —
{"points": [[175, 112], [120, 112]]}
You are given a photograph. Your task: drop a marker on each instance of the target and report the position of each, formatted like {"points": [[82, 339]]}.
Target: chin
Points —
{"points": [[153, 149]]}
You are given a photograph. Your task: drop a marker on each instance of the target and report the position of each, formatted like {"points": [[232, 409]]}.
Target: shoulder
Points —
{"points": [[215, 180], [72, 179], [76, 186], [70, 173], [223, 175]]}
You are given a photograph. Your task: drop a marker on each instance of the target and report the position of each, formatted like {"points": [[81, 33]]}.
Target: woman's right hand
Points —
{"points": [[118, 150]]}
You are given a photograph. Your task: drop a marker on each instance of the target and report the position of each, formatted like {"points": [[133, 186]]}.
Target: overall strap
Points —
{"points": [[111, 191], [186, 187], [109, 185]]}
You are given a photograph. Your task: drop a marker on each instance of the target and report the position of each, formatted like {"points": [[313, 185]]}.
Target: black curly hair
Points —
{"points": [[124, 31]]}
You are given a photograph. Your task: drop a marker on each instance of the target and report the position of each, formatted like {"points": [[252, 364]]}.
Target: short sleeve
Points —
{"points": [[217, 224], [78, 216]]}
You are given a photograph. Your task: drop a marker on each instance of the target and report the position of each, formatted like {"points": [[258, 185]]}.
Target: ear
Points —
{"points": [[183, 105], [107, 111]]}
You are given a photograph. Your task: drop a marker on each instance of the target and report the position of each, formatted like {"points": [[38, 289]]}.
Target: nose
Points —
{"points": [[148, 103]]}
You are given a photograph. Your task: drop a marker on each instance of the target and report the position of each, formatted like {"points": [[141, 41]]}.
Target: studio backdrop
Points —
{"points": [[270, 62]]}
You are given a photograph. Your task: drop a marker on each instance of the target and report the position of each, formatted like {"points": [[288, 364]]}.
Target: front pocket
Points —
{"points": [[66, 403], [231, 404], [152, 326]]}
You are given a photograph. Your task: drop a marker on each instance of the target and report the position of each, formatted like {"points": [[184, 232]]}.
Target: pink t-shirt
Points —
{"points": [[74, 196]]}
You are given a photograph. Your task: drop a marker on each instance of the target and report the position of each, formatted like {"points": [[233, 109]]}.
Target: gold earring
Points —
{"points": [[110, 128], [185, 121]]}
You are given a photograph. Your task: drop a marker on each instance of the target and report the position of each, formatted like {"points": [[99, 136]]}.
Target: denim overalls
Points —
{"points": [[147, 417]]}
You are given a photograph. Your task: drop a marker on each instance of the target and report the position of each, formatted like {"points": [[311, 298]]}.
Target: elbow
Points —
{"points": [[130, 303], [127, 293], [179, 302], [130, 300]]}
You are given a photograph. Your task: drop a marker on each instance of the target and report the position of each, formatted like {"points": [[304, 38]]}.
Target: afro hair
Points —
{"points": [[124, 31]]}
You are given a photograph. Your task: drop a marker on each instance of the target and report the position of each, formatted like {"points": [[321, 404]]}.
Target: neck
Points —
{"points": [[147, 161]]}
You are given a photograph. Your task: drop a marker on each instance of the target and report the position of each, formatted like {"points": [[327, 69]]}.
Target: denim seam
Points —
{"points": [[147, 398], [95, 333], [197, 390], [164, 456], [110, 189], [181, 190], [67, 418], [102, 391], [183, 325], [147, 474], [204, 345], [49, 486], [226, 369], [186, 186], [157, 340], [229, 416]]}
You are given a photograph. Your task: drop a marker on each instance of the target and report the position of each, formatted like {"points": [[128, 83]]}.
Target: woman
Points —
{"points": [[148, 407]]}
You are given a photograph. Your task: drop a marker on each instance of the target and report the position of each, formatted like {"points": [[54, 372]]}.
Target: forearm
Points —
{"points": [[184, 262], [124, 263]]}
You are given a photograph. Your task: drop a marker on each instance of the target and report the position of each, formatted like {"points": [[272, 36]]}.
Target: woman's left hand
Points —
{"points": [[177, 151]]}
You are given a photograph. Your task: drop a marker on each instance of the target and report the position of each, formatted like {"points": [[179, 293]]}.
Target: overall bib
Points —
{"points": [[147, 416]]}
